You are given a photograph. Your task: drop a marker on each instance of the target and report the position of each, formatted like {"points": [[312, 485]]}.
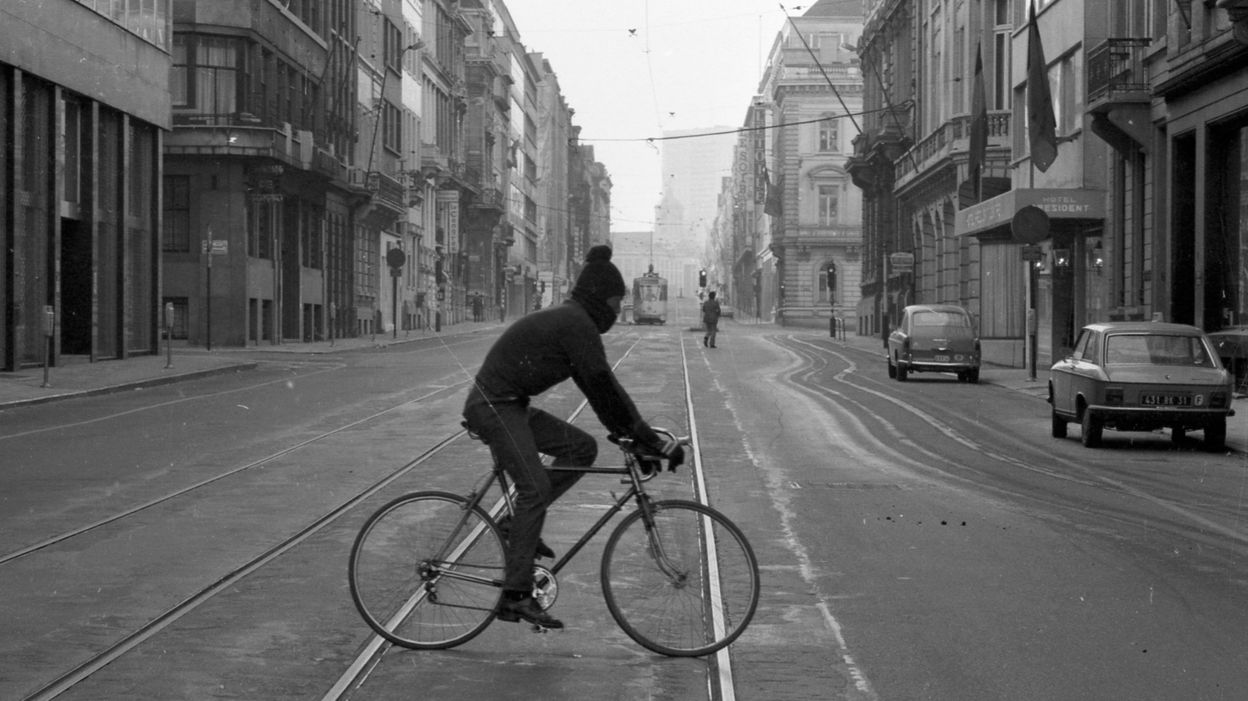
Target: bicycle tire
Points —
{"points": [[690, 617], [425, 572]]}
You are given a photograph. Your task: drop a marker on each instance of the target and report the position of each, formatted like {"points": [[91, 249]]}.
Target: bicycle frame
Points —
{"points": [[636, 492]]}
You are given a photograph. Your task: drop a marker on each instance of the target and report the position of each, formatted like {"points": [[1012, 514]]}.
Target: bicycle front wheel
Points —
{"points": [[685, 586], [426, 570]]}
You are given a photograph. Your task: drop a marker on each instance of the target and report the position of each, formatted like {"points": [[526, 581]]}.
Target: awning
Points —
{"points": [[1057, 203]]}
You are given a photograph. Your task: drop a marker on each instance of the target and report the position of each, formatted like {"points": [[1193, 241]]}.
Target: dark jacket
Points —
{"points": [[710, 311], [542, 349]]}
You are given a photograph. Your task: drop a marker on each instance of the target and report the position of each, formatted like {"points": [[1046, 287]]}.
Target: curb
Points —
{"points": [[124, 386]]}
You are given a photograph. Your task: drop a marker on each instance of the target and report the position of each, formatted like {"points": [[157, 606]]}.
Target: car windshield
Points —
{"points": [[1154, 349], [942, 319]]}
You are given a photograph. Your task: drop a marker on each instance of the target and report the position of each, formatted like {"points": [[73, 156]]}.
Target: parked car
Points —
{"points": [[934, 338], [1141, 376]]}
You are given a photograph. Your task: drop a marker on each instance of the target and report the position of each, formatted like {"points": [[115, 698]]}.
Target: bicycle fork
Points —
{"points": [[678, 577]]}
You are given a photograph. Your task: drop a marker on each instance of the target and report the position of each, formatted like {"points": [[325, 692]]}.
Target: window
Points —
{"points": [[391, 127], [829, 204], [1064, 82], [178, 84], [1000, 69], [392, 40], [216, 75], [177, 235], [829, 136]]}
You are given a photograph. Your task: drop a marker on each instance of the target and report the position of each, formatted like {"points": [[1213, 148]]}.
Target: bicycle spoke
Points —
{"points": [[660, 585], [409, 595]]}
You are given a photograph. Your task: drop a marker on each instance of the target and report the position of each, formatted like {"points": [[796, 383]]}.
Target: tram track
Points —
{"points": [[1009, 483], [719, 681], [227, 580], [190, 489]]}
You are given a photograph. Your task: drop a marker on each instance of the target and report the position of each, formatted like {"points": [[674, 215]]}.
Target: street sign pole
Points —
{"points": [[208, 292]]}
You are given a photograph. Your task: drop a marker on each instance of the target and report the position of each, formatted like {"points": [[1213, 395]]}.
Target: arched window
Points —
{"points": [[828, 283]]}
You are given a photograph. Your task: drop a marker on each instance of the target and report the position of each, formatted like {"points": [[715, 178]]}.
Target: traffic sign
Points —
{"points": [[217, 247]]}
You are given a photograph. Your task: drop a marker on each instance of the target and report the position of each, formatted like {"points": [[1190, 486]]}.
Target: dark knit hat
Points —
{"points": [[599, 279]]}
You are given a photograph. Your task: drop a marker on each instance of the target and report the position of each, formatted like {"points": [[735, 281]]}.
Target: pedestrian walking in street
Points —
{"points": [[535, 353], [710, 319]]}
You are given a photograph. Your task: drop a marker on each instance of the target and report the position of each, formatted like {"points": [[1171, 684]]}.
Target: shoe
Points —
{"points": [[543, 550], [526, 610]]}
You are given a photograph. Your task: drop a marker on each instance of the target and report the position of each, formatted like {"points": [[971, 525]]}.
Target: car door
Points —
{"points": [[1065, 371]]}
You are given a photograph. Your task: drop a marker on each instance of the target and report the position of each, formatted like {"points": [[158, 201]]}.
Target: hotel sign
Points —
{"points": [[1057, 203]]}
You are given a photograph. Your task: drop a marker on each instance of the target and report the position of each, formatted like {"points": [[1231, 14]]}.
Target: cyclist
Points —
{"points": [[537, 352]]}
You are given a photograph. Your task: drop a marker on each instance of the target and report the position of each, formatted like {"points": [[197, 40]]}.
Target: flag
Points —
{"points": [[979, 127], [774, 205], [1041, 125]]}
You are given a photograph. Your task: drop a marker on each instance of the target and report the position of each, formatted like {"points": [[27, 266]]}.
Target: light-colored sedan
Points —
{"points": [[934, 338], [1141, 376]]}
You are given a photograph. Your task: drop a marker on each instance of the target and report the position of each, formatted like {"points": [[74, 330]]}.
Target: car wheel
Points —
{"points": [[1059, 426], [892, 370], [1092, 427], [1215, 434], [1177, 434], [972, 376], [902, 372]]}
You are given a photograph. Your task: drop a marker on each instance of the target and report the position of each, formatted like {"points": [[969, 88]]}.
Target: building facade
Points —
{"points": [[260, 238], [84, 102], [813, 91]]}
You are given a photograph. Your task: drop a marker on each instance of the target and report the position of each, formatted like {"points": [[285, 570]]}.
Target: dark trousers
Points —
{"points": [[518, 436], [712, 330]]}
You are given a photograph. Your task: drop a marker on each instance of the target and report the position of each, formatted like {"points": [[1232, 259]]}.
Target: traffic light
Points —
{"points": [[702, 278]]}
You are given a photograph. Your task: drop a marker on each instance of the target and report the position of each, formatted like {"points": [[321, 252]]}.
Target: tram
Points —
{"points": [[649, 299]]}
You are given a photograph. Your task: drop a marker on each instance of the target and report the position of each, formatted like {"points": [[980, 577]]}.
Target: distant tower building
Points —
{"points": [[694, 163]]}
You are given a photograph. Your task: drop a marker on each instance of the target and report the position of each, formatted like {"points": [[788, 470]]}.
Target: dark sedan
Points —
{"points": [[1141, 376], [934, 338]]}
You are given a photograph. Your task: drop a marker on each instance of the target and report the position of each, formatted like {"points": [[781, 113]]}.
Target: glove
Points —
{"points": [[673, 451], [649, 465]]}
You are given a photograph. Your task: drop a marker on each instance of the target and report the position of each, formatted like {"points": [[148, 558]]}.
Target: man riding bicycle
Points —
{"points": [[537, 352]]}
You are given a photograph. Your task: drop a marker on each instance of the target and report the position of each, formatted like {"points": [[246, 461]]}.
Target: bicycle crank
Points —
{"points": [[545, 587]]}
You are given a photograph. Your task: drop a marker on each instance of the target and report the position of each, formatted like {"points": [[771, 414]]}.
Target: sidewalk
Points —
{"points": [[77, 377], [1016, 379]]}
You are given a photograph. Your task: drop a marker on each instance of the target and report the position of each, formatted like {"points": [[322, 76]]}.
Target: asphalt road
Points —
{"points": [[925, 540]]}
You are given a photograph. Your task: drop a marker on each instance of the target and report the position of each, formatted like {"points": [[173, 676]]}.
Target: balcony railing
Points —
{"points": [[1116, 71], [941, 142]]}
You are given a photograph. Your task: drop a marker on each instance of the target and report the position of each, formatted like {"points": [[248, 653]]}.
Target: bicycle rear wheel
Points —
{"points": [[686, 587], [426, 570]]}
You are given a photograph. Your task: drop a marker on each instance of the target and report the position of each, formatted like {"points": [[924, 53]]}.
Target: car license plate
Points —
{"points": [[1166, 399], [942, 358]]}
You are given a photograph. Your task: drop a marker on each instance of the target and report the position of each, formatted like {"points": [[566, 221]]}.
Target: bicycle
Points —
{"points": [[678, 577]]}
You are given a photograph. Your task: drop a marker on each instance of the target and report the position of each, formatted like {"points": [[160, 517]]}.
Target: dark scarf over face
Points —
{"points": [[598, 309]]}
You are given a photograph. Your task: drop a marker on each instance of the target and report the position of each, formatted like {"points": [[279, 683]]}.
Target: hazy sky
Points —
{"points": [[632, 69]]}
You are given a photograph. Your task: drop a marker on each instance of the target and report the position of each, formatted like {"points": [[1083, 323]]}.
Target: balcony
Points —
{"points": [[1117, 74], [490, 199], [1119, 93], [951, 137]]}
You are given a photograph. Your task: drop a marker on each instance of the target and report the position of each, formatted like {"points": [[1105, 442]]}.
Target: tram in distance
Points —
{"points": [[649, 299]]}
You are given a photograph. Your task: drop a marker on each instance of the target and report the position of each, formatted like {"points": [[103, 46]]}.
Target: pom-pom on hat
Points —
{"points": [[599, 279]]}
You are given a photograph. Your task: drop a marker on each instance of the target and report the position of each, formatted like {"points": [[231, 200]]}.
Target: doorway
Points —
{"points": [[76, 288]]}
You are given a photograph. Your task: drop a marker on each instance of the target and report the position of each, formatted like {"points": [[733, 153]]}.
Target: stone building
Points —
{"points": [[811, 94]]}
